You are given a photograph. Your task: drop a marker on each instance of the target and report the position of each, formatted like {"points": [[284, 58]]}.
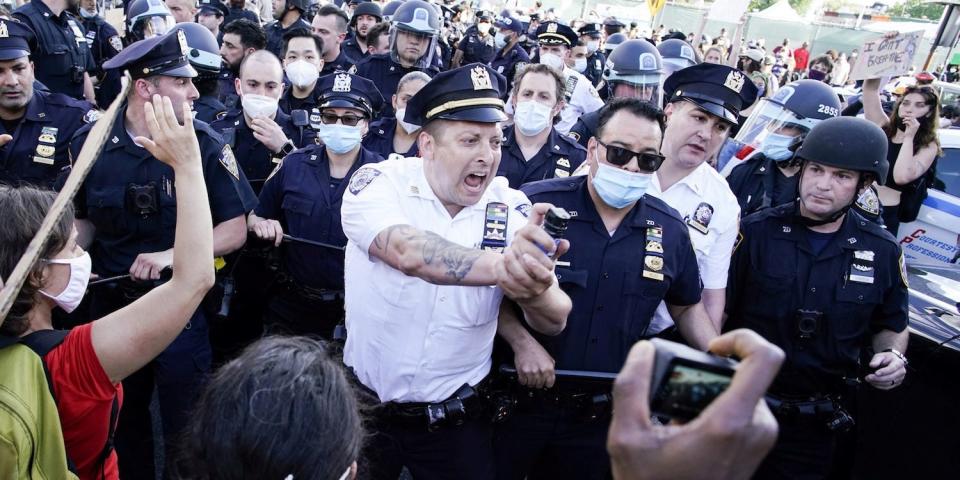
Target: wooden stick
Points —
{"points": [[81, 167]]}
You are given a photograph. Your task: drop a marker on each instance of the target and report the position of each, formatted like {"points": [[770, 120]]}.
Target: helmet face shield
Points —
{"points": [[771, 120], [156, 26], [648, 87], [411, 47]]}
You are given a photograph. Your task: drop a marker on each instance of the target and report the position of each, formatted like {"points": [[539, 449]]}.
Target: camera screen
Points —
{"points": [[687, 389]]}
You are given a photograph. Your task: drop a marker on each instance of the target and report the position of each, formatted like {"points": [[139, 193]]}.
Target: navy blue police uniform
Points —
{"points": [[236, 13], [343, 62], [42, 134], [207, 108], [817, 296], [351, 47], [130, 199], [228, 88], [380, 139], [215, 7], [615, 283], [559, 157], [105, 43], [596, 60], [758, 183], [275, 33], [305, 198], [63, 54], [386, 74], [585, 128], [289, 103], [476, 48], [508, 60]]}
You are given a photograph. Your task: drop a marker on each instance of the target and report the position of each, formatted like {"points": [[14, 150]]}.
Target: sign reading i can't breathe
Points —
{"points": [[882, 57]]}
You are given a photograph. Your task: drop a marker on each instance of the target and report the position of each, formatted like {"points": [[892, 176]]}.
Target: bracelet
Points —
{"points": [[899, 355]]}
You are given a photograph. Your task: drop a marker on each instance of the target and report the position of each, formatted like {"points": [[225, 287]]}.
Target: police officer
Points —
{"points": [[612, 26], [510, 56], [391, 136], [612, 41], [204, 56], [629, 252], [365, 16], [826, 286], [104, 42], [41, 123], [125, 208], [237, 9], [477, 45], [635, 70], [677, 55], [288, 15], [414, 227], [532, 148], [302, 63], [147, 19], [240, 38], [63, 57], [590, 36], [257, 127], [330, 24], [302, 198], [704, 104], [556, 41], [412, 47], [763, 173], [212, 14], [390, 8]]}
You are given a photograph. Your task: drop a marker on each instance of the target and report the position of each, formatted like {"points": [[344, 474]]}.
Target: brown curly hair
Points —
{"points": [[24, 209], [927, 133]]}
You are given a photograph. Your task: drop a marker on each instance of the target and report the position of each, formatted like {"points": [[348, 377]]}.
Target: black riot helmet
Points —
{"points": [[637, 63], [677, 55], [366, 8], [390, 8], [203, 52], [850, 143], [147, 19], [613, 41], [302, 5]]}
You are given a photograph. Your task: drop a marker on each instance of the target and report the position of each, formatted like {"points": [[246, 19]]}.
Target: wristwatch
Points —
{"points": [[286, 149], [899, 355]]}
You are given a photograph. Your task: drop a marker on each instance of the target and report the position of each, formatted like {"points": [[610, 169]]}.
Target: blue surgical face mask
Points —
{"points": [[618, 187], [339, 138], [777, 147]]}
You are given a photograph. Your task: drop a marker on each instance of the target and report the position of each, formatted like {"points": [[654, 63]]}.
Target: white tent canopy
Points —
{"points": [[779, 11]]}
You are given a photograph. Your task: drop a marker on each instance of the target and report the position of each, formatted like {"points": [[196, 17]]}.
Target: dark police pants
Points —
{"points": [[550, 441], [292, 314], [804, 451], [178, 374]]}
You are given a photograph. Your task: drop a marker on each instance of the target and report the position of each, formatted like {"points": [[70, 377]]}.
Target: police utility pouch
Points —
{"points": [[685, 380], [452, 411]]}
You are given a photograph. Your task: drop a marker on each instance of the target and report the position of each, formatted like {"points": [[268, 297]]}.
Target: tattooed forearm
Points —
{"points": [[457, 259], [382, 240]]}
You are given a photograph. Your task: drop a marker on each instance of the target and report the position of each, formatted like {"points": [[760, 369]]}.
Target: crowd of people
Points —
{"points": [[321, 241]]}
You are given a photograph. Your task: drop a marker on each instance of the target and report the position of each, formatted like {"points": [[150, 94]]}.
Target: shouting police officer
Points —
{"points": [[302, 198], [41, 123], [62, 57], [422, 254], [125, 214], [826, 286]]}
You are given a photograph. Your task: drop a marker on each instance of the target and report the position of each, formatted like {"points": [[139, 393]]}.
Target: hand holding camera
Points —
{"points": [[727, 440]]}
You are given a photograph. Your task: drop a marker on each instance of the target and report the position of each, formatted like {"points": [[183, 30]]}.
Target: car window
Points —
{"points": [[948, 172]]}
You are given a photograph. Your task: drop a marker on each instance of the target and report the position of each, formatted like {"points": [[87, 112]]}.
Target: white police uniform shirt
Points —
{"points": [[410, 340], [581, 98], [713, 235]]}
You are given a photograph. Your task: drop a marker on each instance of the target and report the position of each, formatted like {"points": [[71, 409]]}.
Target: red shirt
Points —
{"points": [[800, 58], [84, 396]]}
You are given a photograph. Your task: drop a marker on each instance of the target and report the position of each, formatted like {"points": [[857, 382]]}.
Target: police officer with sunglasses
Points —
{"points": [[634, 252]]}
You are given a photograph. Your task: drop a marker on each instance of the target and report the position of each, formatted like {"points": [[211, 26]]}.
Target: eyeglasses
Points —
{"points": [[348, 120], [619, 156]]}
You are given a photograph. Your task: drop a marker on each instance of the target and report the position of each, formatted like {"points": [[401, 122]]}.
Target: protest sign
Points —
{"points": [[883, 57]]}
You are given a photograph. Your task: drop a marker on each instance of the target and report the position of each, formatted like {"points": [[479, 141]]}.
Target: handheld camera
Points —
{"points": [[685, 380]]}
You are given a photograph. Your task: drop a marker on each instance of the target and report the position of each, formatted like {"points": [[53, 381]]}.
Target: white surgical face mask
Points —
{"points": [[483, 27], [552, 61], [500, 40], [71, 296], [87, 13], [580, 65], [339, 138], [407, 127], [302, 73], [531, 117], [593, 46], [258, 106]]}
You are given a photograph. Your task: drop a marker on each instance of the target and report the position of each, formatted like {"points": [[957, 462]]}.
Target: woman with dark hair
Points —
{"points": [[87, 366], [911, 130], [281, 410]]}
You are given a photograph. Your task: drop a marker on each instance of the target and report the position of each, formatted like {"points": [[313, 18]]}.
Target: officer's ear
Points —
{"points": [[668, 110], [393, 101], [236, 84]]}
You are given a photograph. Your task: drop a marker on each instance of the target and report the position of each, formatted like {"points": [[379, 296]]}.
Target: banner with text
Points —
{"points": [[886, 57]]}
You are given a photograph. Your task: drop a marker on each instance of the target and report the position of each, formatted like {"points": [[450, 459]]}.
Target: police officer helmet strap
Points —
{"points": [[810, 222]]}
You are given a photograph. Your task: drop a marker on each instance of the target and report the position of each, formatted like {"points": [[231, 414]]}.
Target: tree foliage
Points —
{"points": [[917, 9], [800, 6]]}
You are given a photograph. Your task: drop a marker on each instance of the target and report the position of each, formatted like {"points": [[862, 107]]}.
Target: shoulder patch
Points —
{"points": [[352, 70], [91, 116], [575, 136], [524, 209], [275, 170], [221, 115], [229, 161], [116, 43], [361, 178]]}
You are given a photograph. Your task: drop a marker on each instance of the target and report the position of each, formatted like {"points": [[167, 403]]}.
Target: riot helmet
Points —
{"points": [[850, 143], [636, 63], [418, 23], [390, 8], [613, 41], [677, 55], [148, 19], [203, 51]]}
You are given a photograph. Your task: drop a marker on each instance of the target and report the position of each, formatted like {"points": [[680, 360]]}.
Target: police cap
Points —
{"points": [[592, 29], [16, 40], [344, 90], [215, 7], [553, 33], [506, 22], [470, 93], [718, 89], [161, 55]]}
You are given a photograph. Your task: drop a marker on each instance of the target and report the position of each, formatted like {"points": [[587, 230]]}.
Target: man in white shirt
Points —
{"points": [[704, 103], [424, 277], [556, 42]]}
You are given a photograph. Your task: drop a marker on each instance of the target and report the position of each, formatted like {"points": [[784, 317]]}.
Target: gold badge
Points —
{"points": [[228, 160], [183, 42], [655, 247], [563, 162], [560, 173], [481, 79], [653, 263], [4, 33], [47, 138], [551, 28], [341, 83], [46, 150], [735, 81]]}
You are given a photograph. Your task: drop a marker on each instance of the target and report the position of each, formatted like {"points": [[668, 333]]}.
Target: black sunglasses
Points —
{"points": [[348, 120], [619, 156]]}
